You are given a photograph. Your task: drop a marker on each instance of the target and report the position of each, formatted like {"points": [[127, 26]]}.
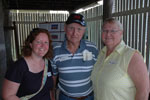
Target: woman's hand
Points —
{"points": [[53, 94]]}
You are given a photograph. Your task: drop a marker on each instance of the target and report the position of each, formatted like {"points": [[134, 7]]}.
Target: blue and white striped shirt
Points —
{"points": [[74, 72]]}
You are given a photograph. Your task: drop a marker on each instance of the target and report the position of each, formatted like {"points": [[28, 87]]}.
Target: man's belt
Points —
{"points": [[78, 98]]}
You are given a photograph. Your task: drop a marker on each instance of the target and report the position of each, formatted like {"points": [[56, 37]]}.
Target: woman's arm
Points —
{"points": [[9, 90], [53, 91], [138, 72], [55, 81], [52, 94]]}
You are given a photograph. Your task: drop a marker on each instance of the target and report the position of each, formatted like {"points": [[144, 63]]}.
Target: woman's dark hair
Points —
{"points": [[27, 50]]}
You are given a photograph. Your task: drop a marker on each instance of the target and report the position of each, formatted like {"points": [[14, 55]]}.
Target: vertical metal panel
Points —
{"points": [[122, 5], [148, 41], [134, 4], [136, 31], [144, 34], [132, 31], [125, 28], [148, 3], [141, 3], [140, 29], [125, 3], [116, 5], [13, 46], [119, 6], [128, 5]]}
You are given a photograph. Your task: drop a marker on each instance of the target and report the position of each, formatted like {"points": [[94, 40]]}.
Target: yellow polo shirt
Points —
{"points": [[110, 78]]}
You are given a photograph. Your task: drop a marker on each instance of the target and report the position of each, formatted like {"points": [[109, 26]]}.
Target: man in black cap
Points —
{"points": [[73, 61]]}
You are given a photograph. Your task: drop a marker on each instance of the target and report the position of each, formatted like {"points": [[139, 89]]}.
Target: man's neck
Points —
{"points": [[72, 47]]}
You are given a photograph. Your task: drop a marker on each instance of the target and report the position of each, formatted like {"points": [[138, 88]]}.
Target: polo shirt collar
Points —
{"points": [[81, 47], [119, 49]]}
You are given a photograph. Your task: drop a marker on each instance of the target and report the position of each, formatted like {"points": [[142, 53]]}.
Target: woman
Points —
{"points": [[120, 72], [26, 76]]}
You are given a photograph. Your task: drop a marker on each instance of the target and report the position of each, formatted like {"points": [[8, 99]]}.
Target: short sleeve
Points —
{"points": [[54, 67], [16, 71], [96, 53], [50, 66]]}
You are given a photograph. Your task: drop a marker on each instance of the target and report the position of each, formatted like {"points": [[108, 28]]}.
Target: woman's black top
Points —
{"points": [[30, 82]]}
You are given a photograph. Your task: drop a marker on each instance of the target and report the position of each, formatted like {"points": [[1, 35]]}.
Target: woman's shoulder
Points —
{"points": [[19, 64], [20, 60], [16, 70], [129, 50]]}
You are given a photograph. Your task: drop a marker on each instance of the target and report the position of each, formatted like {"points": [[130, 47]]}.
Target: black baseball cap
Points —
{"points": [[76, 18]]}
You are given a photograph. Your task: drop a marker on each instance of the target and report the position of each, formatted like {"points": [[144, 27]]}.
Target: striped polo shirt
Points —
{"points": [[74, 71]]}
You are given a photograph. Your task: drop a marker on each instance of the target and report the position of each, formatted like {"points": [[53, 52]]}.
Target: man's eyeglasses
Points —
{"points": [[73, 28], [110, 31]]}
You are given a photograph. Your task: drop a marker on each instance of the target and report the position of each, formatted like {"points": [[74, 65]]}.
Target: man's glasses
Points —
{"points": [[73, 28]]}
